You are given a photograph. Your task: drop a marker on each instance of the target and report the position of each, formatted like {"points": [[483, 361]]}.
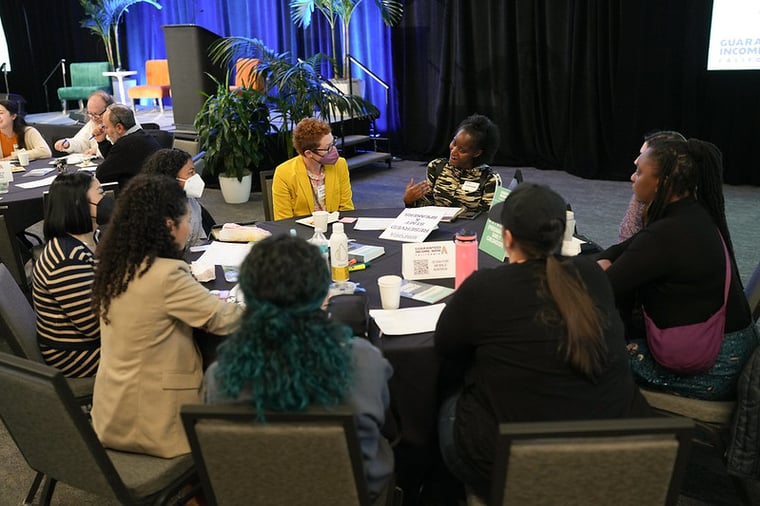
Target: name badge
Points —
{"points": [[470, 186]]}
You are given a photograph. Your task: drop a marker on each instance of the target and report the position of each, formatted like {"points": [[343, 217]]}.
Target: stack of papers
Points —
{"points": [[410, 320]]}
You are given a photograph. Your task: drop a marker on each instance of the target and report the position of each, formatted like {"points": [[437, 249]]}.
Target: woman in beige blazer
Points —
{"points": [[149, 303]]}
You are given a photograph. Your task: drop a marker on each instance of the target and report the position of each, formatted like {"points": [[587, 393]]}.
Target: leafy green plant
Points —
{"points": [[341, 11], [294, 89], [232, 127], [103, 18]]}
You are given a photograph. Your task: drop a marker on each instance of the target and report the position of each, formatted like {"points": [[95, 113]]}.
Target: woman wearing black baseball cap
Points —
{"points": [[536, 339]]}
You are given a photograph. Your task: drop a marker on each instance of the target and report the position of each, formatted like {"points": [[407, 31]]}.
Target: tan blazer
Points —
{"points": [[149, 363], [292, 194]]}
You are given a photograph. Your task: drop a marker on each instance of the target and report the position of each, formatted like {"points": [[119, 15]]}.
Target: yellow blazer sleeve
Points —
{"points": [[338, 187], [291, 190]]}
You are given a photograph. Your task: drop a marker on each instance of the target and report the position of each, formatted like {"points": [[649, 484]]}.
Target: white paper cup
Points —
{"points": [[23, 158], [320, 220], [390, 291]]}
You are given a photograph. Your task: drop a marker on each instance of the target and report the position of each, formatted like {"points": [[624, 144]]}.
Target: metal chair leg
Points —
{"points": [[29, 500]]}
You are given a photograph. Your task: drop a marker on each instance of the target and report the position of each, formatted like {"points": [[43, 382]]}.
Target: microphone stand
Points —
{"points": [[44, 83], [3, 67]]}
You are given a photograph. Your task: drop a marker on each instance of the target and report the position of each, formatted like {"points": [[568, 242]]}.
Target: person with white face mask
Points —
{"points": [[315, 180], [179, 165]]}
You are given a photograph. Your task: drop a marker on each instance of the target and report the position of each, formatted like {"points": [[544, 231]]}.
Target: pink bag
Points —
{"points": [[690, 349]]}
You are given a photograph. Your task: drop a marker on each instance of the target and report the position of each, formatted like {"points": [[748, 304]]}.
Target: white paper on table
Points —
{"points": [[413, 224], [225, 253], [36, 184], [373, 223], [572, 247], [409, 320], [39, 172]]}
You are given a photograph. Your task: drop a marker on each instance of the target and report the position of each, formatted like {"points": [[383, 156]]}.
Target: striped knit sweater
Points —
{"points": [[67, 330]]}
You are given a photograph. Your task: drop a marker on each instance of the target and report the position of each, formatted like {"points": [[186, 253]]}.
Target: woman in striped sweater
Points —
{"points": [[68, 332]]}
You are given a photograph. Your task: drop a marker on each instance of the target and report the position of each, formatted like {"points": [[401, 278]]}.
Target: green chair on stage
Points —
{"points": [[86, 78]]}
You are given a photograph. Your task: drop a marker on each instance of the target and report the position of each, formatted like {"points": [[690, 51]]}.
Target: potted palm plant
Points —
{"points": [[232, 128], [340, 12], [103, 18], [294, 89]]}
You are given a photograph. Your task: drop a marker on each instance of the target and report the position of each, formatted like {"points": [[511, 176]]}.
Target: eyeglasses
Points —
{"points": [[96, 115], [327, 149]]}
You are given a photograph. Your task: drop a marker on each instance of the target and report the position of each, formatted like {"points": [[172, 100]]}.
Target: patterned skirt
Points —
{"points": [[716, 384]]}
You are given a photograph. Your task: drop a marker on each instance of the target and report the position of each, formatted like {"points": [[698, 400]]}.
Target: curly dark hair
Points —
{"points": [[136, 235], [287, 351], [485, 134], [166, 161]]}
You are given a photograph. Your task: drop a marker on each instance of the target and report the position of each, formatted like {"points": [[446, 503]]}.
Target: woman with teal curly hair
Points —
{"points": [[289, 355]]}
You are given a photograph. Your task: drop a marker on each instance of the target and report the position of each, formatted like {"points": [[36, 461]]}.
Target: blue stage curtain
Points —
{"points": [[269, 21]]}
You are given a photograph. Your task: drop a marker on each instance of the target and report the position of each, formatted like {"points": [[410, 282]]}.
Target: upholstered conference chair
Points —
{"points": [[303, 458], [246, 75], [624, 462], [158, 85], [57, 441], [86, 78]]}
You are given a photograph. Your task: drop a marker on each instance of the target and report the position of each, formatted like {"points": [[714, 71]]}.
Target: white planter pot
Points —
{"points": [[234, 191]]}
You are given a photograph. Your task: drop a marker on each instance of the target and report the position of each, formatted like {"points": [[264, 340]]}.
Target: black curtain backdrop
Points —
{"points": [[573, 85]]}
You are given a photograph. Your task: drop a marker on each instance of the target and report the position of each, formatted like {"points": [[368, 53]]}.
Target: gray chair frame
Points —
{"points": [[197, 417], [57, 441], [752, 292], [266, 177], [18, 324], [613, 433]]}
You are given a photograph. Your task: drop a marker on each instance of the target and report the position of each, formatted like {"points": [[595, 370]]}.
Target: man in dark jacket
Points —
{"points": [[131, 145]]}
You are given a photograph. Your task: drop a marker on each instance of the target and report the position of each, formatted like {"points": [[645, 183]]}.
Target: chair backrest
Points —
{"points": [[164, 138], [621, 462], [10, 254], [52, 432], [246, 75], [157, 72], [752, 291], [304, 458], [19, 323], [90, 74], [267, 178], [192, 146]]}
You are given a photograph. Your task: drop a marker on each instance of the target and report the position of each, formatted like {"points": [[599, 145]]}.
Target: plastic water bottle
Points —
{"points": [[320, 241], [466, 246], [339, 253]]}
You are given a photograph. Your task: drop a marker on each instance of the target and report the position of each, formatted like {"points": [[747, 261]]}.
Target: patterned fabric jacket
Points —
{"points": [[451, 186]]}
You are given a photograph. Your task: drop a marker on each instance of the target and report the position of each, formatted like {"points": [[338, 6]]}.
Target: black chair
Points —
{"points": [[267, 177], [752, 291], [617, 462], [57, 441], [165, 139], [302, 458], [18, 324], [11, 255]]}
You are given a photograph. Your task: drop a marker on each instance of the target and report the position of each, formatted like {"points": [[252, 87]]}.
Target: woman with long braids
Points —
{"points": [[288, 354], [536, 339], [673, 273], [148, 303]]}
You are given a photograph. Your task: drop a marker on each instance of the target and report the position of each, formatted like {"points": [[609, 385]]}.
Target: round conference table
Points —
{"points": [[414, 384]]}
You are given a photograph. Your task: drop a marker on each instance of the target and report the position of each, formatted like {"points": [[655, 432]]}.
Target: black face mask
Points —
{"points": [[105, 210]]}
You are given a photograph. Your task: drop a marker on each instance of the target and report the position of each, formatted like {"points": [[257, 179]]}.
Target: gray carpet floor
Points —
{"points": [[598, 206]]}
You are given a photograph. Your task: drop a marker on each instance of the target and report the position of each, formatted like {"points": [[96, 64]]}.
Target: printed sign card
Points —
{"points": [[413, 225], [428, 260], [490, 241]]}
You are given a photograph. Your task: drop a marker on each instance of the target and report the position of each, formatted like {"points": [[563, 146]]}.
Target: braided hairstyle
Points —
{"points": [[137, 234], [693, 168], [287, 351]]}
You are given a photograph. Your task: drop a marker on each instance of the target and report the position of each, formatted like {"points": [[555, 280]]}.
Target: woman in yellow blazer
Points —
{"points": [[316, 179]]}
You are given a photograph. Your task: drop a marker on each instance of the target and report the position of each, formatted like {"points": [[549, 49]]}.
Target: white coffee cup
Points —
{"points": [[390, 291], [23, 158], [320, 220]]}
